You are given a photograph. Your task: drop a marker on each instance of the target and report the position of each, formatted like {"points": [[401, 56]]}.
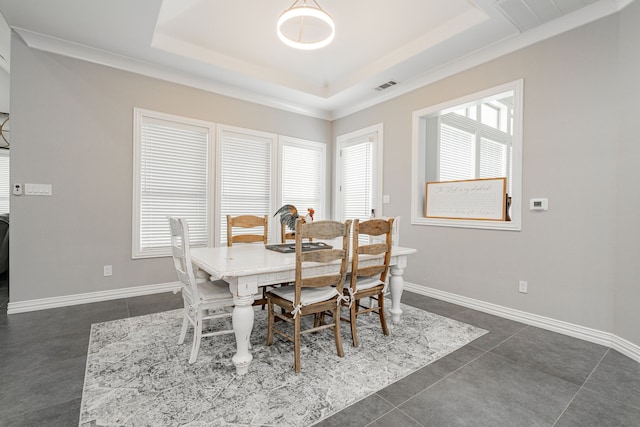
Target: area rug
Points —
{"points": [[137, 374]]}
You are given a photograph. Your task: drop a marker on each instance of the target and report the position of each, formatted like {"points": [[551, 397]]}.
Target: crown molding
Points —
{"points": [[102, 57]]}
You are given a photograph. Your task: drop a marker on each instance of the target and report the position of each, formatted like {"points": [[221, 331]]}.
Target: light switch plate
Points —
{"points": [[37, 189]]}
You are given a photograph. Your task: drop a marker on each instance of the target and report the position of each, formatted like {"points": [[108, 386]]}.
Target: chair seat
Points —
{"points": [[308, 295]]}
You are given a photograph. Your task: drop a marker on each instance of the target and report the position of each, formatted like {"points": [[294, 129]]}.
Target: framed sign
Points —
{"points": [[477, 199]]}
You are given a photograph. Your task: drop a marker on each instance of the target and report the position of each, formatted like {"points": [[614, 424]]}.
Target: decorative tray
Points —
{"points": [[291, 247]]}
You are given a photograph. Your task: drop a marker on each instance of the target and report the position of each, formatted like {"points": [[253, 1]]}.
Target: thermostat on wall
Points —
{"points": [[538, 204]]}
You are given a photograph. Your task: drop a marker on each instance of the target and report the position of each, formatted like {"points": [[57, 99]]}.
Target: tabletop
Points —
{"points": [[251, 259]]}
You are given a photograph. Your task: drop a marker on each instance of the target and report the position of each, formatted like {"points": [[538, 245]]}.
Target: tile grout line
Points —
{"points": [[397, 407], [483, 353], [581, 387], [609, 350]]}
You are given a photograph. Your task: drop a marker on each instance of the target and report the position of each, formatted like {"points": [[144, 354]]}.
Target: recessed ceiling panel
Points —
{"points": [[371, 35]]}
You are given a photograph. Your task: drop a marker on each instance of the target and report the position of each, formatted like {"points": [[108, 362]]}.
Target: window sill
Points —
{"points": [[463, 223]]}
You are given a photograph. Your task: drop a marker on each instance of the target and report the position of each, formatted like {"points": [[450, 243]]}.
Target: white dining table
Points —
{"points": [[249, 267]]}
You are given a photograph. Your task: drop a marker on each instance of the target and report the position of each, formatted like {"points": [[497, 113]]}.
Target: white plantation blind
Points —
{"points": [[357, 180], [457, 154], [493, 159], [469, 149], [172, 179], [303, 177], [245, 176], [5, 186]]}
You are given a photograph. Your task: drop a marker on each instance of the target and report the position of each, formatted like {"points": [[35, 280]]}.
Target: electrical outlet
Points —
{"points": [[108, 270], [523, 287]]}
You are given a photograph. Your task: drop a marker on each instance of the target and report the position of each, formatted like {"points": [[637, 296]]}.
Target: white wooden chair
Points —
{"points": [[312, 294], [199, 298], [368, 281]]}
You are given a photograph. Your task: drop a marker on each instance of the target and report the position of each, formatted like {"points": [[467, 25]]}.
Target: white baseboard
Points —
{"points": [[607, 339], [63, 301]]}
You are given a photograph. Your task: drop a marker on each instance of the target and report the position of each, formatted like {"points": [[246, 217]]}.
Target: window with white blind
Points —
{"points": [[470, 149], [5, 186], [303, 177], [245, 174], [172, 158], [359, 178], [477, 136], [183, 168]]}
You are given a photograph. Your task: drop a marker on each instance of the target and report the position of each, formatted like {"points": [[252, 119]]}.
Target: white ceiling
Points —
{"points": [[230, 46]]}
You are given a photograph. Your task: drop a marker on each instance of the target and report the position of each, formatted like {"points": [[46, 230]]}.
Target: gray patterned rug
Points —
{"points": [[137, 374]]}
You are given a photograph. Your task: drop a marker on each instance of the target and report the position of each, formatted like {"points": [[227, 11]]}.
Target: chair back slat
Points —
{"points": [[371, 271], [247, 238], [322, 255], [321, 229], [177, 252], [247, 222], [373, 249], [376, 227], [321, 281]]}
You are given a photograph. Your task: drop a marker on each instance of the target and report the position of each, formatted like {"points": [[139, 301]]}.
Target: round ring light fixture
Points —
{"points": [[309, 39]]}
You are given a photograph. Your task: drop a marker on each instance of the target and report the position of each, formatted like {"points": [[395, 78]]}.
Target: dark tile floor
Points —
{"points": [[516, 375]]}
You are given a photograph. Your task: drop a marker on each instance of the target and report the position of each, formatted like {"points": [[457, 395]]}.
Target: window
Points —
{"points": [[303, 178], [255, 173], [5, 186], [172, 158], [259, 172], [359, 178], [477, 136], [245, 171]]}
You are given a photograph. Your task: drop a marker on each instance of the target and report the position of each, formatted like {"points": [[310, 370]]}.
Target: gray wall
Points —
{"points": [[627, 204], [580, 256], [72, 126]]}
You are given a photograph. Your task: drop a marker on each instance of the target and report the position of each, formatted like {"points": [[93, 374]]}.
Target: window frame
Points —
{"points": [[418, 160], [138, 122], [356, 137], [321, 212], [4, 152], [220, 236]]}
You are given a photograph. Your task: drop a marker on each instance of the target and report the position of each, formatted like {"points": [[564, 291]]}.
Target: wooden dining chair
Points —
{"points": [[311, 294], [369, 269], [245, 223], [203, 301], [286, 234]]}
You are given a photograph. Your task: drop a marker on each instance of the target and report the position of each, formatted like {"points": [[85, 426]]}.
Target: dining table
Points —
{"points": [[247, 268]]}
